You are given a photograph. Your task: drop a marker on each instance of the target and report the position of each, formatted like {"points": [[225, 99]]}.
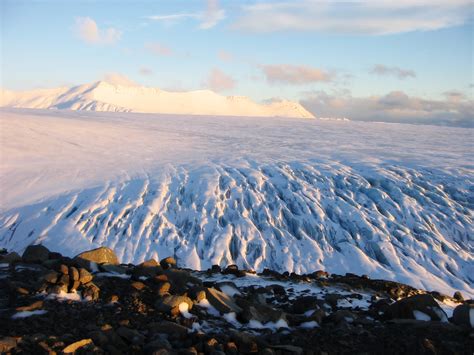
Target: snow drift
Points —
{"points": [[391, 201], [104, 96]]}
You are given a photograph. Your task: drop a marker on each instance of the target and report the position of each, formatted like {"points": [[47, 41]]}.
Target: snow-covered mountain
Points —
{"points": [[104, 96], [388, 200]]}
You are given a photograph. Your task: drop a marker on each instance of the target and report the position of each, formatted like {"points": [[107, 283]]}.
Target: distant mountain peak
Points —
{"points": [[112, 95]]}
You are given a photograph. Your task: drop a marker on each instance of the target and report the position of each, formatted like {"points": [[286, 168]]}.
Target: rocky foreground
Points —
{"points": [[92, 304]]}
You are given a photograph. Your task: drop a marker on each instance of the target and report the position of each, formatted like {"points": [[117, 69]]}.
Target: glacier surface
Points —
{"points": [[389, 200]]}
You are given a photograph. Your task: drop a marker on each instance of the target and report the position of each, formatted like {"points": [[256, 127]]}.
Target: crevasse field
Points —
{"points": [[388, 200]]}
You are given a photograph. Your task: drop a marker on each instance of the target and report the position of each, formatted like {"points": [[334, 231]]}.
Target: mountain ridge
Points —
{"points": [[105, 96]]}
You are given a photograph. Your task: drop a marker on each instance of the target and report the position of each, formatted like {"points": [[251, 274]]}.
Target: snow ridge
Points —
{"points": [[104, 96]]}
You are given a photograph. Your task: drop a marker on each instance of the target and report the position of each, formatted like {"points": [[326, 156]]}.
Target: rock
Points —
{"points": [[115, 269], [137, 285], [168, 263], [33, 306], [246, 342], [163, 288], [91, 291], [63, 269], [51, 277], [7, 344], [289, 349], [341, 315], [10, 258], [100, 255], [277, 289], [58, 288], [215, 269], [221, 301], [63, 280], [197, 293], [73, 274], [464, 315], [170, 328], [74, 285], [149, 268], [259, 312], [181, 280], [35, 254], [233, 270], [170, 304], [416, 307], [458, 296], [84, 276], [332, 298], [131, 335], [320, 274], [304, 304], [70, 349], [157, 344]]}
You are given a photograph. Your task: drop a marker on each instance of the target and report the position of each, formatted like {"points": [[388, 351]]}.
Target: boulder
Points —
{"points": [[220, 301], [181, 280], [35, 254], [72, 348], [73, 274], [258, 312], [197, 293], [116, 269], [84, 276], [304, 304], [100, 255], [149, 268], [171, 304], [169, 328], [421, 307], [464, 315], [7, 344], [51, 277], [168, 263], [10, 258], [132, 336], [458, 296], [91, 291]]}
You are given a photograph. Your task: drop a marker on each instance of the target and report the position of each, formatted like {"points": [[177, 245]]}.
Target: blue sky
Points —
{"points": [[299, 50]]}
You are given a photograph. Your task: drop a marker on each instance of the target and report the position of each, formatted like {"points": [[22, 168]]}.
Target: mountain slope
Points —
{"points": [[103, 96], [286, 194]]}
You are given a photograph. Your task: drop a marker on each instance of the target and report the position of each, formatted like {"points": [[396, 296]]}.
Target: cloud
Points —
{"points": [[88, 31], [118, 79], [382, 70], [294, 74], [217, 80], [395, 106], [145, 71], [374, 17], [158, 49], [208, 18]]}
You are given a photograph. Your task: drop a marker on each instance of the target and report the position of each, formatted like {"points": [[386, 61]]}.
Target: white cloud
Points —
{"points": [[118, 79], [88, 31], [217, 80], [376, 17], [208, 18], [158, 49], [395, 106], [383, 70], [294, 74]]}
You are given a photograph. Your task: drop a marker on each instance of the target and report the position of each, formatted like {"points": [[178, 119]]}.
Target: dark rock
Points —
{"points": [[341, 315], [115, 269], [181, 280], [458, 296], [221, 301], [157, 344], [91, 291], [168, 263], [464, 315], [10, 258], [58, 288], [233, 270], [197, 293], [407, 308], [133, 336], [259, 312], [51, 277], [332, 299], [170, 328], [246, 342], [137, 285], [163, 288], [100, 255], [304, 304], [215, 269], [289, 349], [149, 268], [35, 254]]}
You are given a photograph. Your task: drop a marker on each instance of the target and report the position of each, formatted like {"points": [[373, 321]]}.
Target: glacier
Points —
{"points": [[392, 201]]}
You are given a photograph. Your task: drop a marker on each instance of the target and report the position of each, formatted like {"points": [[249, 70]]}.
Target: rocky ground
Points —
{"points": [[92, 304]]}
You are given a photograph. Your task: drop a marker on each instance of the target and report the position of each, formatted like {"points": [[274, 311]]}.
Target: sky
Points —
{"points": [[396, 61]]}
